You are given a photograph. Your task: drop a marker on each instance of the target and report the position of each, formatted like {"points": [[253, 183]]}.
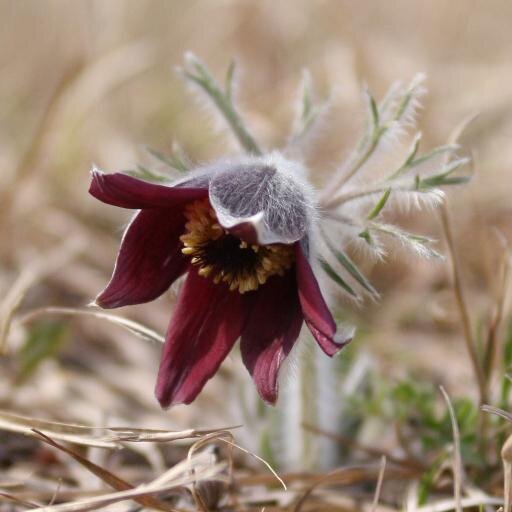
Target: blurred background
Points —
{"points": [[92, 82]]}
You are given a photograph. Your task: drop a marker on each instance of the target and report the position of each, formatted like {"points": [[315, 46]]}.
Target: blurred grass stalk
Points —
{"points": [[81, 86], [484, 362]]}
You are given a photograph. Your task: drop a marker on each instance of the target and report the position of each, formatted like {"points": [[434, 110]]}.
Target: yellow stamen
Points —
{"points": [[223, 258], [205, 271]]}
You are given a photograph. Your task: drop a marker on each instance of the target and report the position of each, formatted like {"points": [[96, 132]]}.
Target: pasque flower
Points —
{"points": [[241, 232], [245, 232]]}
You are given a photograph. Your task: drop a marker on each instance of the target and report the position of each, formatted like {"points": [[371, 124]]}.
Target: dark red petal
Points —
{"points": [[245, 231], [207, 321], [274, 323], [149, 259], [316, 313], [125, 191]]}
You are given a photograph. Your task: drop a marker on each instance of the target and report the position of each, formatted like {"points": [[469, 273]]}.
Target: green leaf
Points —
{"points": [[404, 103], [408, 163], [196, 72], [417, 242], [144, 173], [440, 180], [43, 342], [307, 96], [365, 235], [374, 109], [179, 158], [414, 150], [159, 156], [350, 266], [336, 277], [380, 205], [230, 75], [444, 177], [309, 109], [175, 161], [448, 148]]}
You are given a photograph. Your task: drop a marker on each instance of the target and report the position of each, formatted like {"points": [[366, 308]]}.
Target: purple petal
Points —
{"points": [[149, 259], [207, 321], [125, 191], [274, 323], [316, 313], [266, 196], [247, 230]]}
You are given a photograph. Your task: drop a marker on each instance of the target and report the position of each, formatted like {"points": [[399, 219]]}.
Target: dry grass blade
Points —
{"points": [[497, 315], [139, 330], [100, 437], [31, 274], [18, 501], [378, 487], [260, 459], [114, 481], [457, 459], [28, 162], [457, 281], [76, 434], [323, 480], [227, 438], [134, 435], [218, 436], [506, 456], [499, 412], [98, 502], [447, 505], [355, 445], [462, 306], [411, 496], [344, 476]]}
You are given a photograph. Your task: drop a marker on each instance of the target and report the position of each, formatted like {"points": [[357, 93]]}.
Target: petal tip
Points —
{"points": [[95, 170], [341, 338], [269, 398], [161, 393], [103, 301], [167, 398], [97, 181], [164, 401], [96, 175], [345, 335]]}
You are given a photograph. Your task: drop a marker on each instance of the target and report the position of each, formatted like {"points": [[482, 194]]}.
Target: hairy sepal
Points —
{"points": [[265, 197]]}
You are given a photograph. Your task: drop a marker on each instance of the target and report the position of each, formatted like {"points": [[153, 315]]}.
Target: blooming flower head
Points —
{"points": [[240, 231]]}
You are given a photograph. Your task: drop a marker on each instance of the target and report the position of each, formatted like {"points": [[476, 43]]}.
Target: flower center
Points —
{"points": [[226, 258]]}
